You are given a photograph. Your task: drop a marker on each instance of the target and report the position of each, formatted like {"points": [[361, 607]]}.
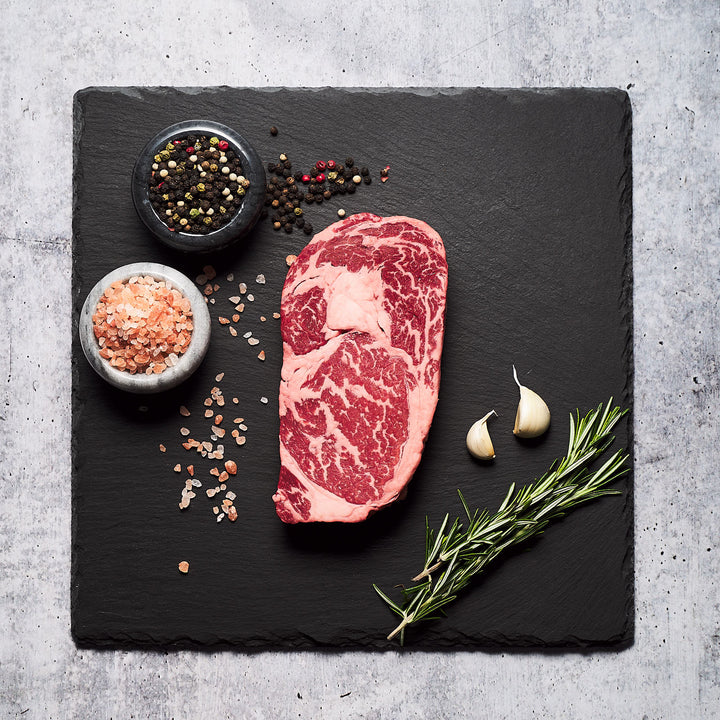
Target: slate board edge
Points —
{"points": [[428, 642]]}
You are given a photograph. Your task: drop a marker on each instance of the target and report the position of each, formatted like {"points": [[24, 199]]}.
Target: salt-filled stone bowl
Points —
{"points": [[187, 362], [243, 218]]}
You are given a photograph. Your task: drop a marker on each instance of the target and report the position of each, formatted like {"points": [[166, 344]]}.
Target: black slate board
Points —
{"points": [[531, 192]]}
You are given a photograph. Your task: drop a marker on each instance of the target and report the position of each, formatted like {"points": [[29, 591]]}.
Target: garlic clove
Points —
{"points": [[478, 439], [533, 415]]}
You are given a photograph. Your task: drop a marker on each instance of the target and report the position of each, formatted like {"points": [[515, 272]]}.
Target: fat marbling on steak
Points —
{"points": [[362, 320]]}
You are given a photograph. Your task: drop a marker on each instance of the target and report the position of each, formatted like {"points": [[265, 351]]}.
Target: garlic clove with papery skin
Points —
{"points": [[478, 439], [533, 415]]}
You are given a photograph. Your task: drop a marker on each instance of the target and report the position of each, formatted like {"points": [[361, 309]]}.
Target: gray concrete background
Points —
{"points": [[664, 51]]}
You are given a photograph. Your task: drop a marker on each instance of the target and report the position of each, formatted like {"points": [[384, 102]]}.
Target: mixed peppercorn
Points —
{"points": [[197, 184], [286, 191]]}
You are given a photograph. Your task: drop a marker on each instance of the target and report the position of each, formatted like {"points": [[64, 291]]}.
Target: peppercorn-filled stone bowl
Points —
{"points": [[144, 327], [198, 186]]}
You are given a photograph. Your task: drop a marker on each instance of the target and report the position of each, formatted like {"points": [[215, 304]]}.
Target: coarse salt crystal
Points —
{"points": [[243, 288], [264, 400], [253, 341], [250, 297], [184, 411], [260, 279]]}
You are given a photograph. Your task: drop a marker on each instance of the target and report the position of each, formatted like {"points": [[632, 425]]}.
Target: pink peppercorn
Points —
{"points": [[320, 165], [189, 149], [331, 165], [320, 178], [306, 178], [223, 145]]}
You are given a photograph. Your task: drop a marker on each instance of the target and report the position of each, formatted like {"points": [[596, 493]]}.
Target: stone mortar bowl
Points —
{"points": [[187, 363], [245, 216]]}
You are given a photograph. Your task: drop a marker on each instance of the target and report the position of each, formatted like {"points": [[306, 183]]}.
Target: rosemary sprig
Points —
{"points": [[456, 553]]}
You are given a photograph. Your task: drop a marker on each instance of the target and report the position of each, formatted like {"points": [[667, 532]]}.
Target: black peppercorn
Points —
{"points": [[349, 162], [288, 227], [367, 179], [273, 130], [364, 171], [307, 229]]}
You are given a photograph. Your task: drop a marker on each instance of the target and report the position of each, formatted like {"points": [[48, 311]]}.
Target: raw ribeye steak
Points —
{"points": [[362, 318]]}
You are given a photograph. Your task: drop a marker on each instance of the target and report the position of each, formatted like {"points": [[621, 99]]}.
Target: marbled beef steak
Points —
{"points": [[362, 320]]}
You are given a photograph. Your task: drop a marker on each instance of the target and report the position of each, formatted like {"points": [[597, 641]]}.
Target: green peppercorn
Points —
{"points": [[188, 196], [164, 155], [214, 140], [170, 146], [222, 209], [207, 220], [157, 158], [194, 212], [201, 187], [298, 211]]}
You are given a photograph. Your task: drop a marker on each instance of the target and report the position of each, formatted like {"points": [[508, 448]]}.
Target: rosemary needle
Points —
{"points": [[458, 552]]}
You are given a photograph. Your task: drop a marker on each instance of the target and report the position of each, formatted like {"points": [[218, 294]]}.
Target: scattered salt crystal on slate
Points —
{"points": [[260, 279], [264, 400]]}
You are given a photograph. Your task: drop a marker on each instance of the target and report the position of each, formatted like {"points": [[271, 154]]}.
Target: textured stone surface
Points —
{"points": [[665, 53]]}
